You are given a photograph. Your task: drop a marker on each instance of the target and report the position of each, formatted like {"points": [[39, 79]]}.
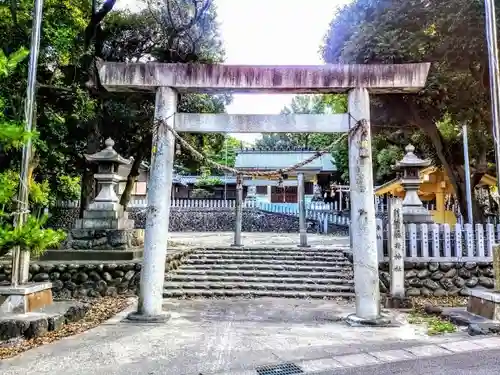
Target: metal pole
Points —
{"points": [[20, 259], [467, 174], [491, 38]]}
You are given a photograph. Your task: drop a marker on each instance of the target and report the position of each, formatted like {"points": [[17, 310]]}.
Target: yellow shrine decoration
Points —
{"points": [[436, 188]]}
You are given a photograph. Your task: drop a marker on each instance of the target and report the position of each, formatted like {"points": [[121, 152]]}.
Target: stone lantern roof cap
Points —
{"points": [[108, 155], [411, 160]]}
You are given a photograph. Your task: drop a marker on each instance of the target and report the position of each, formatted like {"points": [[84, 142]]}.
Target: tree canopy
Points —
{"points": [[74, 117], [450, 35]]}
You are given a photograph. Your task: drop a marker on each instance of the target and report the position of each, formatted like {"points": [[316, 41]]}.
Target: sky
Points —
{"points": [[272, 32], [269, 32]]}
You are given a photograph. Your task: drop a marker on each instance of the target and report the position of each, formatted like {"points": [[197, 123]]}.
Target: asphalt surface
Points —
{"points": [[485, 362]]}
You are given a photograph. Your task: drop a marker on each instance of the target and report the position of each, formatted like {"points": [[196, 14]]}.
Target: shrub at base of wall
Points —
{"points": [[440, 279]]}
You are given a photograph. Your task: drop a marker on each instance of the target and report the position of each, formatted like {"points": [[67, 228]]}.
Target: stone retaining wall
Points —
{"points": [[188, 219], [440, 279], [84, 279], [111, 239]]}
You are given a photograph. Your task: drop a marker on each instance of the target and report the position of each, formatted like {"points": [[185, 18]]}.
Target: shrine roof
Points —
{"points": [[270, 160]]}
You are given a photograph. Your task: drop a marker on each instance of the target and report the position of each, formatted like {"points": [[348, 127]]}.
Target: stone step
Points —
{"points": [[270, 257], [277, 267], [250, 279], [232, 261], [286, 251], [260, 286], [265, 273], [252, 293]]}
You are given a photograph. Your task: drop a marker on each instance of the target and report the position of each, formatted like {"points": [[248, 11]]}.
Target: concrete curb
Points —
{"points": [[388, 356]]}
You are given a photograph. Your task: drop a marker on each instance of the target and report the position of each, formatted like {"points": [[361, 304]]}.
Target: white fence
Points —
{"points": [[274, 207], [442, 242], [143, 203]]}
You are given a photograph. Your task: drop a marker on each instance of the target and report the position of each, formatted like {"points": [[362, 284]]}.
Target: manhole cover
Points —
{"points": [[281, 369]]}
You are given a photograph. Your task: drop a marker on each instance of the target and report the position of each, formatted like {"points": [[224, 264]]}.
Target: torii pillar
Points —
{"points": [[169, 79]]}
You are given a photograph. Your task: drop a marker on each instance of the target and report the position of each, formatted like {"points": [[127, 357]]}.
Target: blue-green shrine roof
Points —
{"points": [[257, 159]]}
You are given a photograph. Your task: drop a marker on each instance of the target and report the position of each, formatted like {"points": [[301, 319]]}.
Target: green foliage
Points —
{"points": [[12, 133], [69, 188], [450, 35], [39, 192], [205, 182], [30, 236], [9, 182], [73, 120], [9, 63], [435, 325], [225, 155]]}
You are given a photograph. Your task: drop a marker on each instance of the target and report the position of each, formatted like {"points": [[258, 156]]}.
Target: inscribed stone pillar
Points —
{"points": [[396, 249], [496, 266], [158, 211], [238, 222], [363, 226]]}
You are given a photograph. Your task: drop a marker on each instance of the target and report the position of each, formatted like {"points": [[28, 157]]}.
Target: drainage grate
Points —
{"points": [[281, 369]]}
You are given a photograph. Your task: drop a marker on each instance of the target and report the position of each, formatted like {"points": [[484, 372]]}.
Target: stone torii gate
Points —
{"points": [[167, 80]]}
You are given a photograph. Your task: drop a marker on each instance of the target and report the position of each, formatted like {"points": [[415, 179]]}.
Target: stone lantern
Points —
{"points": [[409, 167], [105, 212], [105, 226], [317, 193]]}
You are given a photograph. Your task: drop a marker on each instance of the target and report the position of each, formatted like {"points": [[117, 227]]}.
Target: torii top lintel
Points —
{"points": [[389, 78]]}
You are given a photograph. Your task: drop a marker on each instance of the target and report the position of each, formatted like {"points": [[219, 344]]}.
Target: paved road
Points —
{"points": [[473, 363], [202, 239]]}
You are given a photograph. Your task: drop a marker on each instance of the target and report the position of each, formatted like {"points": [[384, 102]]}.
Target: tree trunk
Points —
{"points": [[87, 189], [131, 180], [456, 175], [87, 192]]}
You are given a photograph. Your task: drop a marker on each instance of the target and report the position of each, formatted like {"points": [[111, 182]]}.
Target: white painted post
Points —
{"points": [[424, 230], [396, 248], [458, 240], [412, 230], [156, 231], [480, 251], [363, 226], [239, 212], [447, 240], [469, 240], [490, 239], [301, 201], [435, 240], [325, 223]]}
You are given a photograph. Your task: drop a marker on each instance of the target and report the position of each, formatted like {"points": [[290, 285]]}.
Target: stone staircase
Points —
{"points": [[262, 272]]}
